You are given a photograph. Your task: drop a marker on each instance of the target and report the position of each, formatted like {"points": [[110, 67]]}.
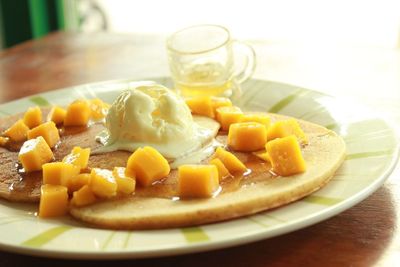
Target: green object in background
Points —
{"points": [[23, 20]]}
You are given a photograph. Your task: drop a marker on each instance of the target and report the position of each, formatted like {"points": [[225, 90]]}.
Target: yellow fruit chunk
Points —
{"points": [[59, 173], [285, 128], [83, 196], [201, 106], [228, 115], [102, 183], [34, 153], [78, 157], [262, 155], [222, 170], [260, 118], [285, 155], [53, 201], [125, 184], [230, 161], [147, 165], [78, 113], [247, 136], [17, 132], [48, 131], [218, 102], [78, 181], [98, 108], [197, 180], [33, 117], [4, 140], [57, 115]]}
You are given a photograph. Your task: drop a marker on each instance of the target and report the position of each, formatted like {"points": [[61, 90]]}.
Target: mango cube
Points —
{"points": [[78, 157], [230, 161], [147, 165], [222, 170], [78, 113], [17, 132], [228, 115], [53, 201], [33, 117], [197, 180], [34, 153], [59, 173], [285, 128], [285, 155], [48, 131], [83, 197], [247, 136], [78, 181], [57, 115], [125, 184], [201, 106], [98, 108], [102, 183], [255, 117], [218, 102]]}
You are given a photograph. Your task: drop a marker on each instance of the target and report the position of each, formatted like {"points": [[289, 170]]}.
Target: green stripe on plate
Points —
{"points": [[194, 234], [285, 101], [108, 240], [46, 236], [262, 224], [369, 154], [39, 100], [127, 238], [320, 200]]}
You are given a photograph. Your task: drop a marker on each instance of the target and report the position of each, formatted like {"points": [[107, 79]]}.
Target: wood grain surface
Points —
{"points": [[365, 235]]}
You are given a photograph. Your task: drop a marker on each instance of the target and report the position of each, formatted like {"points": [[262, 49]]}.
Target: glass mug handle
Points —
{"points": [[249, 65]]}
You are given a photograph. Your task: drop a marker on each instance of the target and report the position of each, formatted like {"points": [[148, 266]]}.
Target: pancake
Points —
{"points": [[157, 206]]}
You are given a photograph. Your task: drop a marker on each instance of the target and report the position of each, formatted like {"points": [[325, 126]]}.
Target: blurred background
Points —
{"points": [[368, 23]]}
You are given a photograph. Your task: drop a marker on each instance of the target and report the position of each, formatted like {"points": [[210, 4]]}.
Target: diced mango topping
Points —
{"points": [[53, 201], [4, 140], [17, 132], [201, 106], [78, 156], [34, 153], [83, 197], [285, 155], [33, 117], [59, 173], [230, 161], [222, 170], [78, 113], [197, 180], [78, 181], [57, 115], [257, 117], [285, 128], [98, 108], [147, 165], [228, 115], [102, 183], [125, 184], [48, 131], [247, 136]]}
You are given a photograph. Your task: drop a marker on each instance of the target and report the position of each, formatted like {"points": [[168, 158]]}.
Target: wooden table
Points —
{"points": [[365, 235]]}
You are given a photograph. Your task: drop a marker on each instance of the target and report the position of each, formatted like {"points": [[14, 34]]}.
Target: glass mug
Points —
{"points": [[202, 61]]}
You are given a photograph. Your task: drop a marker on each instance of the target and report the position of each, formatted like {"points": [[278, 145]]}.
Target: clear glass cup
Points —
{"points": [[203, 60]]}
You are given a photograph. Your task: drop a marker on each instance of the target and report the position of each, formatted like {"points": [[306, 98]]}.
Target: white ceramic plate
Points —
{"points": [[371, 156]]}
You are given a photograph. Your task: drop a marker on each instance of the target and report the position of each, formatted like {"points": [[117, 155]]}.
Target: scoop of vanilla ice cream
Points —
{"points": [[151, 114]]}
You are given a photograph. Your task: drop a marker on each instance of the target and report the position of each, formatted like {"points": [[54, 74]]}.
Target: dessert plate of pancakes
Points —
{"points": [[372, 151]]}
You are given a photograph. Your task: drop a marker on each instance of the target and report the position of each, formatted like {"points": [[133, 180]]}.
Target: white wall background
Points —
{"points": [[375, 23]]}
